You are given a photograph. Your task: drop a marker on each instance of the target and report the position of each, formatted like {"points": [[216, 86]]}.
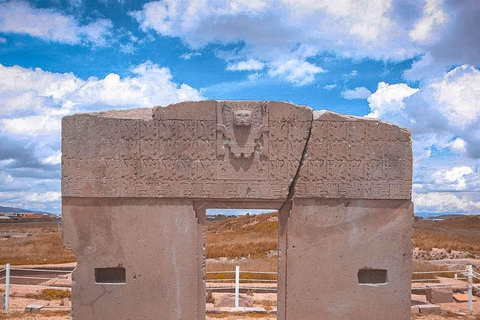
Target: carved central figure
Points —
{"points": [[242, 118], [242, 129]]}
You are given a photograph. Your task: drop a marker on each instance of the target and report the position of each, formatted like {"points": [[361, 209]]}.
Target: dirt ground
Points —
{"points": [[54, 316]]}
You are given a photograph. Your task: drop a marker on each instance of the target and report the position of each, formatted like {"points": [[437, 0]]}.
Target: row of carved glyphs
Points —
{"points": [[138, 149], [162, 188], [362, 130], [354, 189], [96, 127], [133, 153], [278, 170], [205, 149], [237, 189]]}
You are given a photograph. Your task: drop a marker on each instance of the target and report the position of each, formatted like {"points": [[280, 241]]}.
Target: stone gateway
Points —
{"points": [[136, 185]]}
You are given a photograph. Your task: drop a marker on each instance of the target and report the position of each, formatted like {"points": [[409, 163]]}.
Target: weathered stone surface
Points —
{"points": [[439, 295], [155, 240], [341, 237], [2, 301], [136, 185], [429, 309], [65, 302], [228, 300], [415, 310], [34, 308], [200, 150]]}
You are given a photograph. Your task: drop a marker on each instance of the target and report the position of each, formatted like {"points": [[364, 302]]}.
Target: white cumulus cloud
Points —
{"points": [[433, 17], [35, 100], [452, 178], [297, 72], [440, 202], [276, 32], [458, 95], [48, 24], [389, 98]]}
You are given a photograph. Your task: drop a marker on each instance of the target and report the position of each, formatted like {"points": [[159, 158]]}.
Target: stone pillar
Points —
{"points": [[153, 241], [349, 259]]}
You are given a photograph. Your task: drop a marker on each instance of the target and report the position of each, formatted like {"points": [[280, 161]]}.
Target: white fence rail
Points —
{"points": [[8, 277]]}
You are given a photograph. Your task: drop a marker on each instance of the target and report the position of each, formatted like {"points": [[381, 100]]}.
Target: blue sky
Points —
{"points": [[414, 63]]}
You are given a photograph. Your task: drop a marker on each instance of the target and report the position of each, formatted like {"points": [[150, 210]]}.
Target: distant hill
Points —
{"points": [[11, 209]]}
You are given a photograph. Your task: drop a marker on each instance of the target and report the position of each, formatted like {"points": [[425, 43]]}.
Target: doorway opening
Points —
{"points": [[241, 259]]}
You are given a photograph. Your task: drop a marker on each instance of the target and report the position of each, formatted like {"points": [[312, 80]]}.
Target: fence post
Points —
{"points": [[7, 287], [470, 289], [237, 285]]}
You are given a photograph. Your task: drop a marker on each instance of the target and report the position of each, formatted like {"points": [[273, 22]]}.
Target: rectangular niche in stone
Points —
{"points": [[372, 276], [110, 275]]}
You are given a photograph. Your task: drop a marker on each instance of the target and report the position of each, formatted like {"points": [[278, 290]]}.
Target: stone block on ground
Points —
{"points": [[242, 310], [34, 308], [417, 299], [228, 300], [212, 310], [65, 302], [273, 311], [439, 295], [415, 310], [429, 309]]}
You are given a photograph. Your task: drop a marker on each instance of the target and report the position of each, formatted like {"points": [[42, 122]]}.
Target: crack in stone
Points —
{"points": [[291, 189], [287, 206]]}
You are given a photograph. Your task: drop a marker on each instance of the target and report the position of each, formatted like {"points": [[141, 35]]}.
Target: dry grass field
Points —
{"points": [[254, 236], [43, 244], [458, 233]]}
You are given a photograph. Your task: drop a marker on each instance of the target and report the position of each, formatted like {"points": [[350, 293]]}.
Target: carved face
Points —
{"points": [[242, 118]]}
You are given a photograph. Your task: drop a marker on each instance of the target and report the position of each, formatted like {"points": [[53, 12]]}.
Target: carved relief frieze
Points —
{"points": [[239, 150]]}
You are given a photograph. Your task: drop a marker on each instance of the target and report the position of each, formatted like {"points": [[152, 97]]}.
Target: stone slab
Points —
{"points": [[414, 310], [200, 150], [242, 310], [228, 300], [34, 308], [429, 309], [418, 299], [65, 302], [439, 295], [217, 310], [272, 311]]}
